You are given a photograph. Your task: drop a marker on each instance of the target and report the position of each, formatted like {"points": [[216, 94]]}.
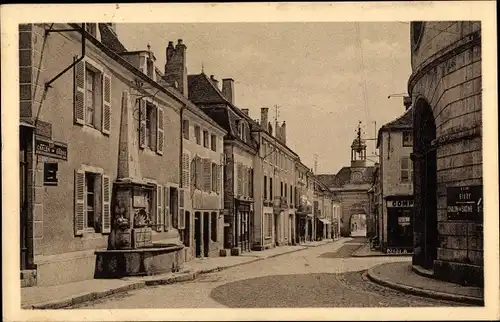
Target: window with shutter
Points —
{"points": [[251, 182], [166, 202], [239, 174], [181, 216], [106, 104], [79, 202], [185, 170], [207, 175], [79, 94], [159, 131], [405, 169], [142, 123], [199, 173], [219, 170], [106, 204], [214, 177], [159, 208], [192, 170]]}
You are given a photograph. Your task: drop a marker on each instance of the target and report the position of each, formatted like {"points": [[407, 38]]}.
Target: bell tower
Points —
{"points": [[358, 150]]}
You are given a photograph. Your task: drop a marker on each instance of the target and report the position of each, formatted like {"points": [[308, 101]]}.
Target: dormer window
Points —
{"points": [[150, 68], [91, 28]]}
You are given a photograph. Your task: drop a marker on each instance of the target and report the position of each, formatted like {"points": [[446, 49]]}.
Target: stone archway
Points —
{"points": [[357, 223], [424, 185]]}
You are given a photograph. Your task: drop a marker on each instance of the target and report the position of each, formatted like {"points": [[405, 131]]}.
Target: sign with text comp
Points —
{"points": [[49, 148], [405, 203], [464, 203]]}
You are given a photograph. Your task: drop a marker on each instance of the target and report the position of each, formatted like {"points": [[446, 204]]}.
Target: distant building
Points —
{"points": [[304, 221], [351, 185], [445, 88], [395, 179]]}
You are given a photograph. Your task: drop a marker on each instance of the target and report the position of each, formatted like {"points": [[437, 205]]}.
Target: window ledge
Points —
{"points": [[92, 130]]}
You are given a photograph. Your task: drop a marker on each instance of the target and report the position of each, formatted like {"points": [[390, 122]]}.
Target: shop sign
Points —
{"points": [[404, 221], [464, 203], [396, 251], [57, 150], [50, 174], [408, 203]]}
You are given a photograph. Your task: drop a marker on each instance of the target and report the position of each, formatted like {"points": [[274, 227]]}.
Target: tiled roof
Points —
{"points": [[110, 39], [344, 176], [404, 122]]}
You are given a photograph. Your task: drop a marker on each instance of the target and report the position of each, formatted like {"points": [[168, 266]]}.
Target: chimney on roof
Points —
{"points": [[407, 102], [283, 132], [264, 111], [175, 66], [214, 81], [228, 89], [245, 111], [270, 128]]}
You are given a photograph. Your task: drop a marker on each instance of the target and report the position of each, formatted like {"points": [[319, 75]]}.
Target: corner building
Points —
{"points": [[445, 87]]}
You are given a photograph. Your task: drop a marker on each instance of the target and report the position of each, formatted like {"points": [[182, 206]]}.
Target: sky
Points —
{"points": [[324, 76]]}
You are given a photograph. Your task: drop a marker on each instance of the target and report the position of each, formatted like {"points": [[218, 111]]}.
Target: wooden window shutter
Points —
{"points": [[160, 140], [79, 202], [180, 213], [142, 124], [185, 170], [166, 203], [250, 186], [219, 169], [207, 175], [79, 92], [239, 173], [192, 171], [106, 204], [159, 209], [106, 104], [199, 173]]}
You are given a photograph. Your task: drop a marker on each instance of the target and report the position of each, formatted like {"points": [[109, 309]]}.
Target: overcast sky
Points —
{"points": [[316, 72]]}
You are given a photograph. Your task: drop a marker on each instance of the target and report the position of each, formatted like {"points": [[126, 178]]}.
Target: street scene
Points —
{"points": [[251, 165]]}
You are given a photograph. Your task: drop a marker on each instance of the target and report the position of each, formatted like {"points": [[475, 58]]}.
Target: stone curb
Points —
{"points": [[423, 292], [189, 276]]}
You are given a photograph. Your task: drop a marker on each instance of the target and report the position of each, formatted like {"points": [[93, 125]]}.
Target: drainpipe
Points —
{"points": [[181, 184]]}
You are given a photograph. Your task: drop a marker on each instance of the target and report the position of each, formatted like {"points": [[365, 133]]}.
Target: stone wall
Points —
{"points": [[447, 75]]}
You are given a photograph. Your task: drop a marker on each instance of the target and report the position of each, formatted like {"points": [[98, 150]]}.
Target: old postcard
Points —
{"points": [[297, 160]]}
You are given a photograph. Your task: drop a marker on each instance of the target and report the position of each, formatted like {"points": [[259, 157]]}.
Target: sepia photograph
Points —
{"points": [[272, 163]]}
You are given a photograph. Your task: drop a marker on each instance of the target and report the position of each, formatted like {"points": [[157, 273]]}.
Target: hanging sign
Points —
{"points": [[464, 203]]}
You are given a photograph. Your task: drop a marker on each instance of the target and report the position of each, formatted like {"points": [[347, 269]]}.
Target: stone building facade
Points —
{"points": [[395, 184], [445, 88], [104, 121], [239, 148], [304, 219]]}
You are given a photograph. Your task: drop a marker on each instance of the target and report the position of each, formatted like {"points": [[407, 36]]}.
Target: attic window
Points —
{"points": [[91, 28]]}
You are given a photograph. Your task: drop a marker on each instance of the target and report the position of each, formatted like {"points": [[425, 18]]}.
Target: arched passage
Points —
{"points": [[425, 185], [357, 223]]}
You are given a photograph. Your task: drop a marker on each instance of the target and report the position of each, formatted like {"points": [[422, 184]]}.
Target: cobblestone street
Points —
{"points": [[324, 276]]}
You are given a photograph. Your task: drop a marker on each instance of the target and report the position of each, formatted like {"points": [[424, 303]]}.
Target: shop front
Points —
{"points": [[243, 225], [399, 224]]}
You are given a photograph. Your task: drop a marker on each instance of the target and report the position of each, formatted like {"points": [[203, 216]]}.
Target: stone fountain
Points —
{"points": [[131, 251]]}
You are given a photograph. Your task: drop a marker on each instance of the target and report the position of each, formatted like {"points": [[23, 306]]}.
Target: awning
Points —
{"points": [[325, 221]]}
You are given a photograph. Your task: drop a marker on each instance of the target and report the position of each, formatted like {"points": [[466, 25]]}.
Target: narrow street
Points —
{"points": [[324, 276]]}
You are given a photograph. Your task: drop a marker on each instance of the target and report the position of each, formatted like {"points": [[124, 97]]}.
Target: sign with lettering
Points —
{"points": [[396, 251], [57, 150], [464, 203], [50, 174], [407, 203], [404, 221]]}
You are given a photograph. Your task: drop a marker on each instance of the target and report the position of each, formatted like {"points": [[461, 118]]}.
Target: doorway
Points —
{"points": [[357, 223], [206, 233], [425, 185], [276, 229], [197, 233], [24, 206]]}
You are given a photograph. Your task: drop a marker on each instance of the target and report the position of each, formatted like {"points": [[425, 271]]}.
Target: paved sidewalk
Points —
{"points": [[366, 251], [400, 276], [65, 295]]}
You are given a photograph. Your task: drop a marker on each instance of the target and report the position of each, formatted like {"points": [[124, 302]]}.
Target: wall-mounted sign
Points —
{"points": [[408, 203], [464, 203], [57, 150], [404, 221], [50, 174]]}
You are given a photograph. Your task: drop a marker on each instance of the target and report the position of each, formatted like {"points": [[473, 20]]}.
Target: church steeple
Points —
{"points": [[358, 150]]}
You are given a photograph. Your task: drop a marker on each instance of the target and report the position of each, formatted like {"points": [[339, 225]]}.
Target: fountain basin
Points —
{"points": [[152, 260]]}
